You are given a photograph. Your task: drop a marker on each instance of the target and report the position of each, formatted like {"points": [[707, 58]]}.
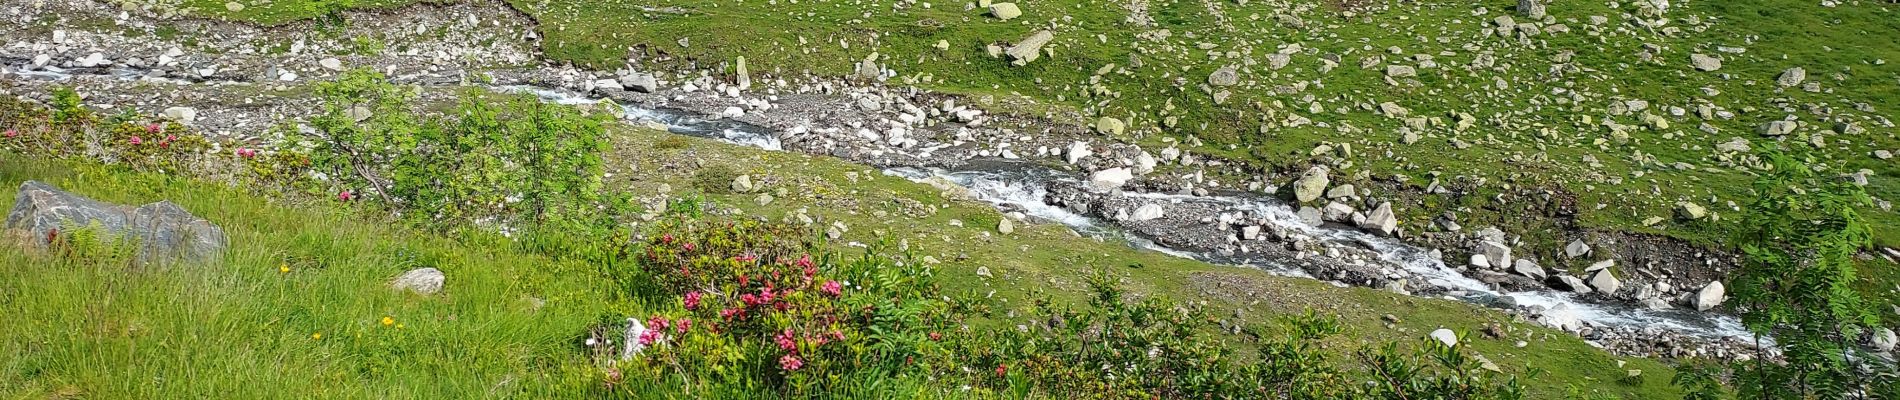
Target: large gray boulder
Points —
{"points": [[163, 230], [1710, 296], [638, 82], [1605, 282], [1884, 340], [1030, 48], [1311, 185], [1381, 220]]}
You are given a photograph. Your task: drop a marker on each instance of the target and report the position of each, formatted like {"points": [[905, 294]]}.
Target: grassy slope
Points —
{"points": [[222, 331], [212, 329]]}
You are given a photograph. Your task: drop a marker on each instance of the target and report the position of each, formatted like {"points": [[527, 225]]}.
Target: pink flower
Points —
{"points": [[13, 133], [785, 342], [657, 323], [766, 295], [137, 141], [683, 325], [668, 238], [746, 258], [692, 300], [730, 312], [343, 195], [171, 138], [790, 362], [153, 128], [833, 288], [936, 336], [805, 261], [689, 247], [1002, 369], [749, 299], [650, 336]]}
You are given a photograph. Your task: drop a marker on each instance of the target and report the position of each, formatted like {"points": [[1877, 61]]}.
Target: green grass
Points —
{"points": [[240, 328]]}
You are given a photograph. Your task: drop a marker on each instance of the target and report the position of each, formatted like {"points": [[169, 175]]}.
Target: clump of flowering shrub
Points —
{"points": [[65, 129], [749, 309], [754, 303]]}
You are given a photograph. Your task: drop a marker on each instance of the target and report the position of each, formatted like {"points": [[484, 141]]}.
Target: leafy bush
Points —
{"points": [[522, 161], [715, 179], [65, 128], [747, 303]]}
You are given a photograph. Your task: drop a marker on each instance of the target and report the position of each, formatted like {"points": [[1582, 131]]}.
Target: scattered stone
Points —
{"points": [[1792, 77], [1311, 185], [1005, 226], [1005, 11], [1884, 340], [744, 79], [1498, 253], [1606, 282], [631, 339], [1400, 71], [184, 115], [234, 6], [1690, 211], [425, 281], [1710, 296], [162, 230], [1533, 9], [1381, 220], [1778, 128], [1526, 267], [331, 64], [1225, 76], [1030, 48], [1576, 249], [1571, 283], [1110, 179], [742, 184], [1704, 62], [984, 272], [1446, 336], [643, 83], [1110, 126], [1148, 212]]}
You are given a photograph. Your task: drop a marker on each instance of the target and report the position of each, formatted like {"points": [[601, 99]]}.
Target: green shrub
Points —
{"points": [[523, 161], [716, 179]]}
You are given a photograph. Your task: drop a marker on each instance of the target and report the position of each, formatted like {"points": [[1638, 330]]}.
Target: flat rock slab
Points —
{"points": [[163, 230]]}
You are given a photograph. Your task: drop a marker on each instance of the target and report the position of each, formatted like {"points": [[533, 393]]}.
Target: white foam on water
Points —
{"points": [[1003, 189], [49, 74], [675, 122]]}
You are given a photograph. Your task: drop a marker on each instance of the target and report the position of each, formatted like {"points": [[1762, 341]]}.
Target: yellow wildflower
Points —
{"points": [[387, 321], [284, 268], [316, 336]]}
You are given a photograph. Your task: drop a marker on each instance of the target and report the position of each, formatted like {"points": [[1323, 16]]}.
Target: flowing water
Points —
{"points": [[1022, 185]]}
